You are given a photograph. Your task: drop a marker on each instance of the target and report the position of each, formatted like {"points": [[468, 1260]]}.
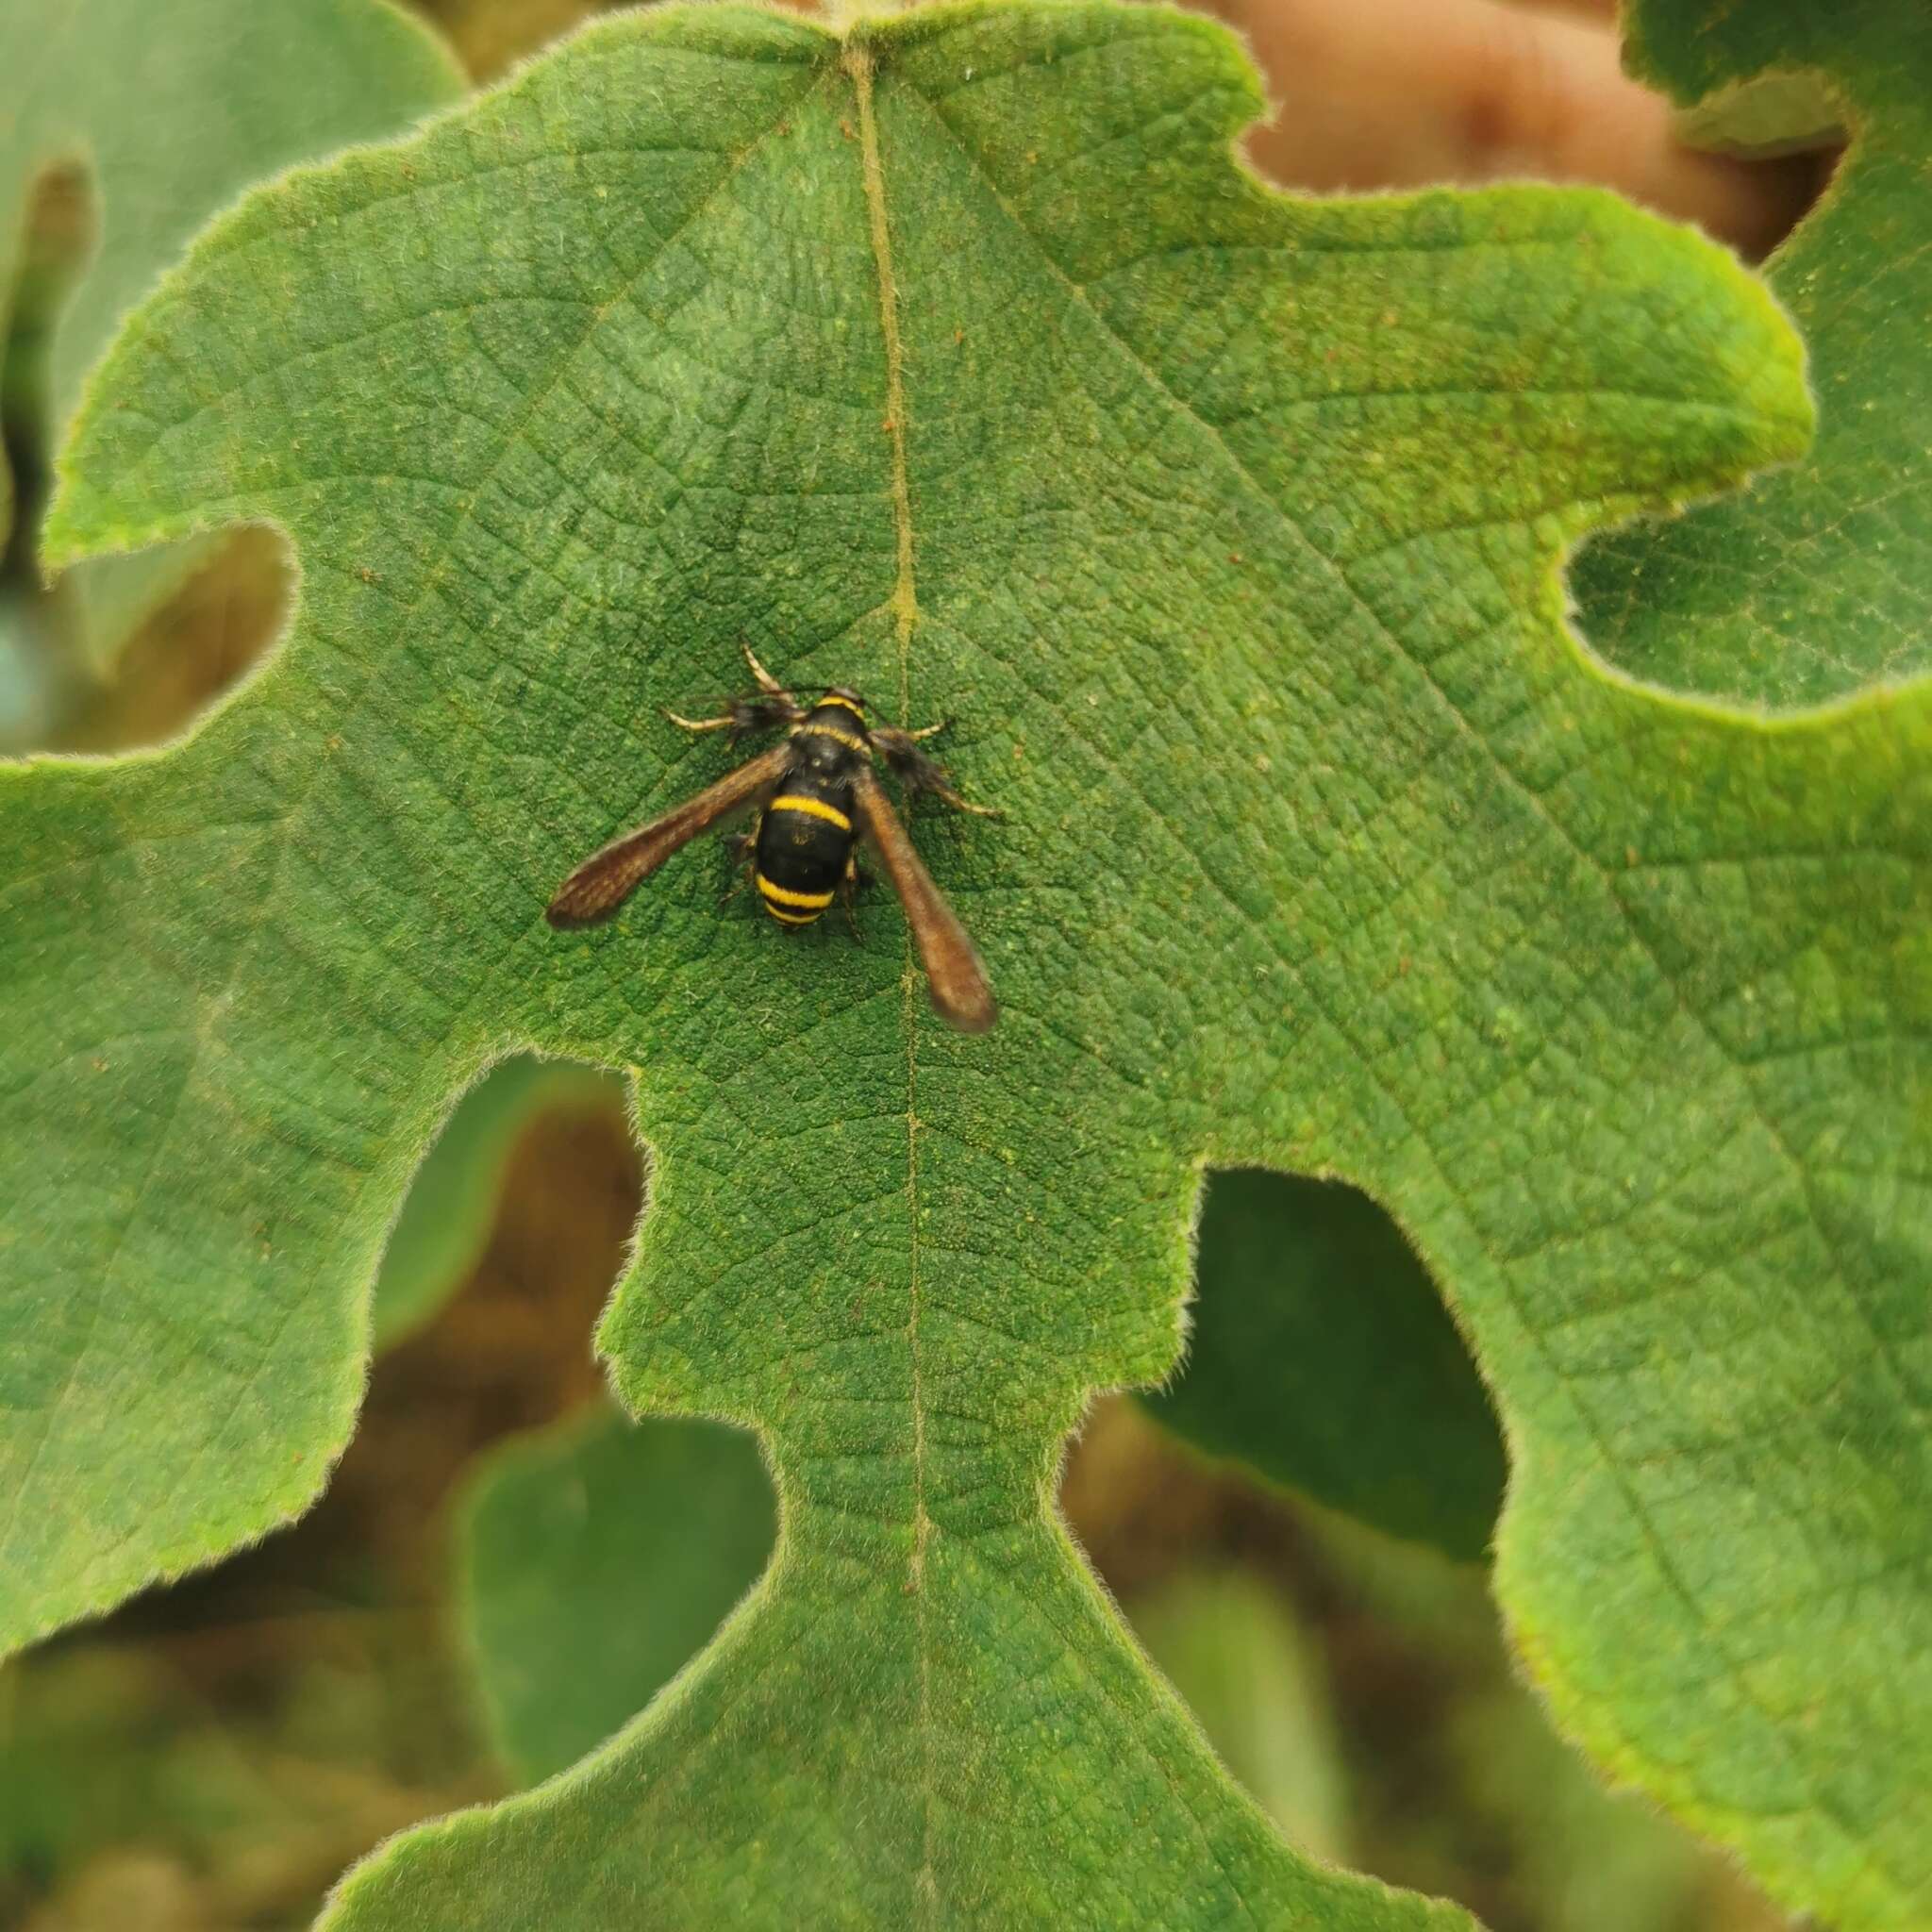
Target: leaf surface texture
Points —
{"points": [[959, 361]]}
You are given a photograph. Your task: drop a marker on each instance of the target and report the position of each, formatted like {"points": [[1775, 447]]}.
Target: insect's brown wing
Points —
{"points": [[960, 994], [605, 879]]}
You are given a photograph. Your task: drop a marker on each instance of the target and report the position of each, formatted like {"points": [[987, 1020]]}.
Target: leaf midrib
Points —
{"points": [[856, 62]]}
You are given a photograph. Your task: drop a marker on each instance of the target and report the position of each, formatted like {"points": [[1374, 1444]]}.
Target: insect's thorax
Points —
{"points": [[833, 731]]}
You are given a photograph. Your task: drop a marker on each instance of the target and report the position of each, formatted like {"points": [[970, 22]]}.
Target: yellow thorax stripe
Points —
{"points": [[783, 895], [832, 697], [832, 731], [793, 801]]}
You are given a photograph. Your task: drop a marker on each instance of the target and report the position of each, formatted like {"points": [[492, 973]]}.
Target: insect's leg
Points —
{"points": [[946, 795], [766, 683], [848, 892], [772, 706], [744, 715], [742, 846], [917, 772], [897, 744]]}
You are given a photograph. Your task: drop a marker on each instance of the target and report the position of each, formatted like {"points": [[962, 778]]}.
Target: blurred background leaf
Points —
{"points": [[595, 1561], [447, 1213], [1322, 1357], [128, 125], [1240, 1659]]}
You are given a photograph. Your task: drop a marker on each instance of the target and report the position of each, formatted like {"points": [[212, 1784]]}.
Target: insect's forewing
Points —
{"points": [[605, 879], [960, 994]]}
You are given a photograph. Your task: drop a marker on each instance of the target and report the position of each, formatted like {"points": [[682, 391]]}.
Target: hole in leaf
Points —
{"points": [[39, 668], [1362, 1690], [1322, 1358], [189, 651], [619, 1545], [195, 644], [591, 1560]]}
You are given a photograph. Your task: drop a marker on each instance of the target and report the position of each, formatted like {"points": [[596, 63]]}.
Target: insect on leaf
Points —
{"points": [[956, 361]]}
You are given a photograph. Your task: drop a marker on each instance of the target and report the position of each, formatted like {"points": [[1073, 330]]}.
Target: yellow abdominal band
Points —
{"points": [[778, 898], [817, 807]]}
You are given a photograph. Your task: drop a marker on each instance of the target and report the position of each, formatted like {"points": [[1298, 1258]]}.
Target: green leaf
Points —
{"points": [[174, 111], [1819, 579], [958, 360], [594, 1562], [1321, 1356], [451, 1204]]}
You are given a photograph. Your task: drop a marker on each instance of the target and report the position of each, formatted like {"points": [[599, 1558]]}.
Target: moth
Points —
{"points": [[816, 795]]}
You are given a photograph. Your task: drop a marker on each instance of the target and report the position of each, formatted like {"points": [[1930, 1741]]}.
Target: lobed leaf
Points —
{"points": [[1819, 580], [958, 360]]}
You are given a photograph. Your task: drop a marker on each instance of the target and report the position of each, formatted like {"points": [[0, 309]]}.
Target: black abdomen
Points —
{"points": [[803, 845]]}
